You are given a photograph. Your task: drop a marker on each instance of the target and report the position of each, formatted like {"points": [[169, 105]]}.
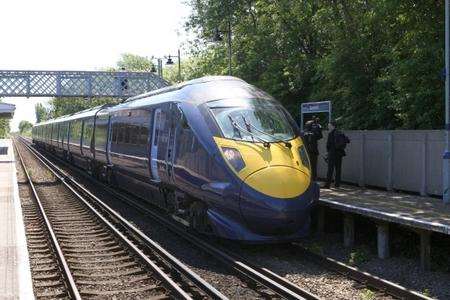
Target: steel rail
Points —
{"points": [[70, 282], [169, 283], [362, 277], [173, 261], [365, 278], [263, 276]]}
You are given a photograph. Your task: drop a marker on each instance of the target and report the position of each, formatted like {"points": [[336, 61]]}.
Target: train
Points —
{"points": [[217, 154]]}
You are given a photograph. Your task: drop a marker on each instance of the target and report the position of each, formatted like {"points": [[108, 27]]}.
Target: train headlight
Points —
{"points": [[304, 156], [233, 156]]}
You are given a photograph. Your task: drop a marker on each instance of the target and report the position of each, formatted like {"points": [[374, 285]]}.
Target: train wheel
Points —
{"points": [[198, 217]]}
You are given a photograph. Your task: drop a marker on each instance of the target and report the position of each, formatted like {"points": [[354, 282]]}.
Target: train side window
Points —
{"points": [[127, 134], [143, 135], [114, 132], [134, 131]]}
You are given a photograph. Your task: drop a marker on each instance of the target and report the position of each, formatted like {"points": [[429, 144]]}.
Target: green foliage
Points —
{"points": [[24, 126], [4, 127], [358, 256], [378, 61], [64, 106], [135, 63], [42, 113], [367, 294]]}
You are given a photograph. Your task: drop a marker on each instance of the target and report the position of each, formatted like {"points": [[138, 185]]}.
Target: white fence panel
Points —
{"points": [[409, 160]]}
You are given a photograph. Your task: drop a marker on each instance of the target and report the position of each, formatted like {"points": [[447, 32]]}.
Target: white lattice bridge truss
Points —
{"points": [[77, 83]]}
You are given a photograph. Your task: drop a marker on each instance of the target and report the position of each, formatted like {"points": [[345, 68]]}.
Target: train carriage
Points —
{"points": [[216, 153]]}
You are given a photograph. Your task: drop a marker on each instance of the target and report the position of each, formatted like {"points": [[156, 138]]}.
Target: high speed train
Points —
{"points": [[216, 153]]}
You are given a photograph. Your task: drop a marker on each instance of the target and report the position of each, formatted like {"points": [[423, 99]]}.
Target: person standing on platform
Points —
{"points": [[336, 143], [313, 133]]}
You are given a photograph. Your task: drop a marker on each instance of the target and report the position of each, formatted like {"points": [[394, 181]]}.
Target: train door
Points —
{"points": [[175, 116], [154, 146], [108, 143]]}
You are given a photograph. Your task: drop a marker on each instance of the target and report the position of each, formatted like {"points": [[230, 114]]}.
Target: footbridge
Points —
{"points": [[89, 84]]}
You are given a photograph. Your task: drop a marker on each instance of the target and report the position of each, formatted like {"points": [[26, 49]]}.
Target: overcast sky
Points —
{"points": [[83, 35]]}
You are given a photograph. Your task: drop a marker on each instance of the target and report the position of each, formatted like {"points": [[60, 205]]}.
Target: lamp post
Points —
{"points": [[446, 158], [170, 62], [159, 69]]}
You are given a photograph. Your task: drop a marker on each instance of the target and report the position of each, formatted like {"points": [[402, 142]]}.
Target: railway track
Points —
{"points": [[94, 258], [264, 276], [266, 283]]}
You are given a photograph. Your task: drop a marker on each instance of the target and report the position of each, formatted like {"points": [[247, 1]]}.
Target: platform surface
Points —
{"points": [[15, 276], [415, 211]]}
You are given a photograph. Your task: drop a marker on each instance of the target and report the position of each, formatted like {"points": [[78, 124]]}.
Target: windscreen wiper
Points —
{"points": [[249, 126], [236, 125]]}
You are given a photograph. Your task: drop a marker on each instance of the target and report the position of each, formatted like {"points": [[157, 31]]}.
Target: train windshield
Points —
{"points": [[255, 120]]}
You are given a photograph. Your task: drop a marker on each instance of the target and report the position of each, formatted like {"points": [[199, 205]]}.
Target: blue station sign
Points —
{"points": [[316, 107]]}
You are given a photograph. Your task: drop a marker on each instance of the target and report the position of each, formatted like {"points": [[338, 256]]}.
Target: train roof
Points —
{"points": [[197, 91]]}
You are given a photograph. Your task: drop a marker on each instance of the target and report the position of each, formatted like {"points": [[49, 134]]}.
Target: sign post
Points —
{"points": [[314, 108]]}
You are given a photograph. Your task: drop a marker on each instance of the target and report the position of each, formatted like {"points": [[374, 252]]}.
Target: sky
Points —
{"points": [[84, 35]]}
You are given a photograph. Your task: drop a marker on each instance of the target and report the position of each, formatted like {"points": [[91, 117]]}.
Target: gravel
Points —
{"points": [[403, 271], [93, 278], [316, 279]]}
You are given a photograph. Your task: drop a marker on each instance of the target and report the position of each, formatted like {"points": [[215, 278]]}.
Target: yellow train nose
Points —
{"points": [[279, 181]]}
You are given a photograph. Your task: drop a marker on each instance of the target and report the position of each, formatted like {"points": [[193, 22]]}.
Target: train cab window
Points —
{"points": [[253, 120]]}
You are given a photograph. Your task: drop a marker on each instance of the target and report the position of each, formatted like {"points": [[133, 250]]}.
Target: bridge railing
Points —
{"points": [[87, 84], [408, 160]]}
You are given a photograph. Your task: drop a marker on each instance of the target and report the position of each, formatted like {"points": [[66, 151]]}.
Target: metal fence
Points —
{"points": [[121, 84], [408, 160]]}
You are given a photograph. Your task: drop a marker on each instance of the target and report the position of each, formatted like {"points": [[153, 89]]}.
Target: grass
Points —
{"points": [[315, 248], [358, 256], [367, 294]]}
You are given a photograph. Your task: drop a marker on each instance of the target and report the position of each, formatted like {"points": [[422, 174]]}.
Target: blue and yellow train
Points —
{"points": [[216, 153]]}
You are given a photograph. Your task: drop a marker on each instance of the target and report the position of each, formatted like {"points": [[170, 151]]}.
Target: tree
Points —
{"points": [[132, 62], [4, 127], [42, 113], [377, 61], [24, 126]]}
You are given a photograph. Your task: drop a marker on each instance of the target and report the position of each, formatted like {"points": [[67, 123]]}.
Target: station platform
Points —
{"points": [[423, 215], [15, 275]]}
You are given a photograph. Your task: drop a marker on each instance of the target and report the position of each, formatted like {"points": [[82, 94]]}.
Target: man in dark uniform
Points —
{"points": [[336, 144], [313, 133]]}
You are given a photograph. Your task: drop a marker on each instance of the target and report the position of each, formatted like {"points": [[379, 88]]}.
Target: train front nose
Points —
{"points": [[277, 201]]}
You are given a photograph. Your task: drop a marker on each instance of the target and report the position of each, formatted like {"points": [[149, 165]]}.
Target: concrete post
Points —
{"points": [[390, 152], [321, 221], [349, 230], [361, 181], [423, 186], [383, 240], [425, 250]]}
